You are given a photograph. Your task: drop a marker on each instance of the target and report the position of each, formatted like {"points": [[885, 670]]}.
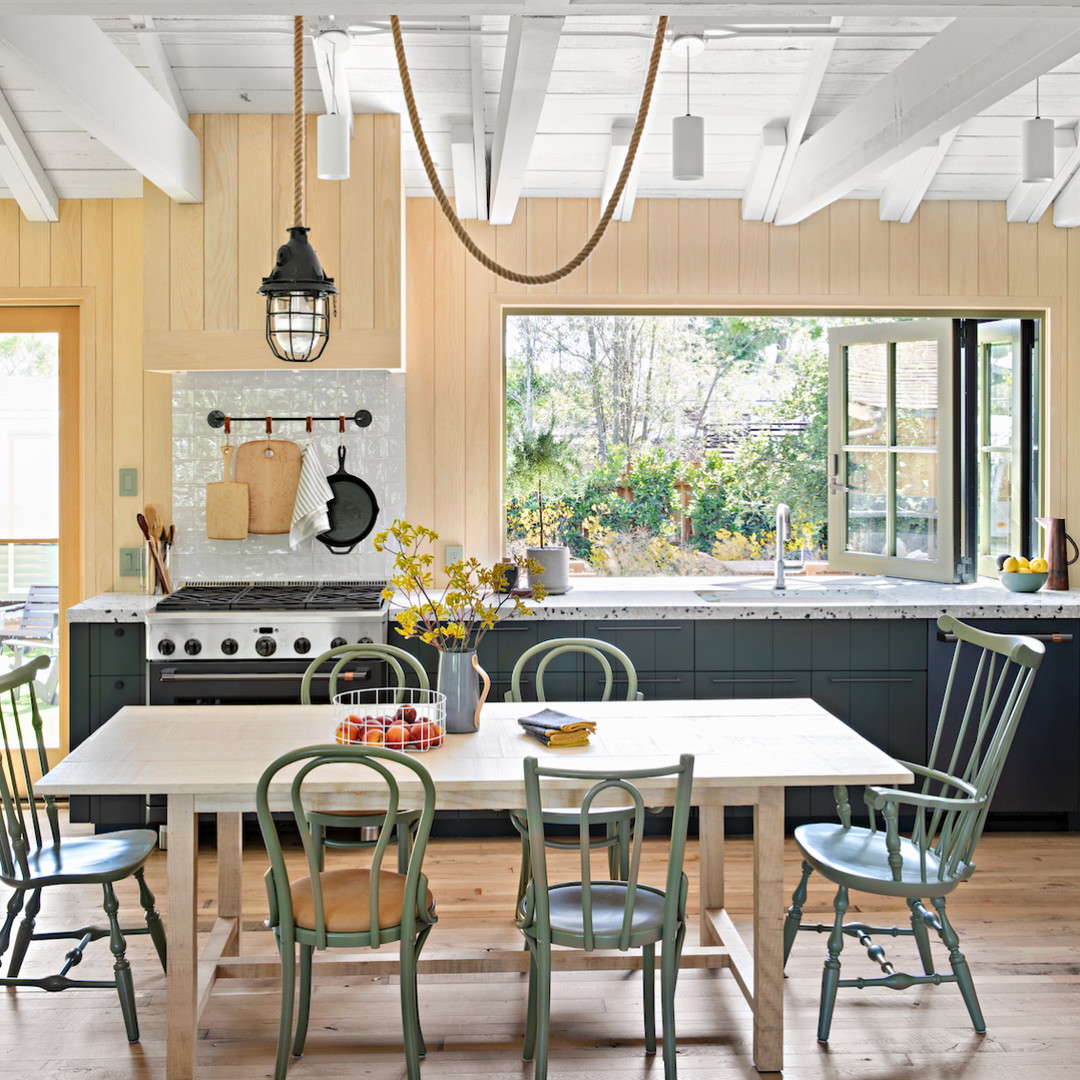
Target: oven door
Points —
{"points": [[252, 682]]}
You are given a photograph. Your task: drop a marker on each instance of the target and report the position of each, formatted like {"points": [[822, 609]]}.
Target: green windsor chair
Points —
{"points": [[615, 820], [974, 730], [605, 914], [350, 907], [33, 859], [397, 661]]}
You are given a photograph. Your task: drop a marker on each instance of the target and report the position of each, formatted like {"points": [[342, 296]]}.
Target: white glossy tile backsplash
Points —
{"points": [[375, 453]]}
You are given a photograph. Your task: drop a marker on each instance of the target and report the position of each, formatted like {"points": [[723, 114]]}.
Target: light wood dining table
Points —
{"points": [[207, 760]]}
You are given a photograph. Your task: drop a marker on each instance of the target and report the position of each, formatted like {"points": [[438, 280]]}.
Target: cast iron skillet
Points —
{"points": [[352, 510]]}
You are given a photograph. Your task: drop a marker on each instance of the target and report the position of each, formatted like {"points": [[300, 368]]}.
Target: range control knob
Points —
{"points": [[229, 646], [364, 641], [166, 646], [193, 646], [302, 645], [266, 646], [338, 642]]}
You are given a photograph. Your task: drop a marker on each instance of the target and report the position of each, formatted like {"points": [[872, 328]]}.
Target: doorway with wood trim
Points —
{"points": [[40, 527]]}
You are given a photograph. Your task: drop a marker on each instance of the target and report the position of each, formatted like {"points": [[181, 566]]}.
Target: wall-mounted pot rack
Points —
{"points": [[218, 419]]}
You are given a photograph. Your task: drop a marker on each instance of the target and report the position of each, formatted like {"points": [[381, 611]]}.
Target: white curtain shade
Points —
{"points": [[1037, 150], [332, 137], [688, 148]]}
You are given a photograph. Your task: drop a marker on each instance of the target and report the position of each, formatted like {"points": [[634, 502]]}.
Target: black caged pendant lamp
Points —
{"points": [[297, 290]]}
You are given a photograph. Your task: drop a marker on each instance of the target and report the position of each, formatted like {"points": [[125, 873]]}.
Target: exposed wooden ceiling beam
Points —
{"points": [[160, 69], [80, 71], [479, 125], [622, 131], [463, 163], [763, 170], [904, 190], [530, 56], [22, 172], [967, 67], [803, 106], [1028, 202]]}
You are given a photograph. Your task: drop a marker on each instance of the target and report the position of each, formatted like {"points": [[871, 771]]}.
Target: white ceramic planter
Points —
{"points": [[555, 576]]}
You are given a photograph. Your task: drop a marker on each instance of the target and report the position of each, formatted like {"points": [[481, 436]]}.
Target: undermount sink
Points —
{"points": [[798, 590]]}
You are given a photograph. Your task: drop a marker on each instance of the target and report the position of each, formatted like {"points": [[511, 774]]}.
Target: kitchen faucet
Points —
{"points": [[783, 534]]}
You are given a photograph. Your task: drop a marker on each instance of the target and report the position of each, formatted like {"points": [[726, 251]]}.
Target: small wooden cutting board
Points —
{"points": [[271, 470], [226, 506]]}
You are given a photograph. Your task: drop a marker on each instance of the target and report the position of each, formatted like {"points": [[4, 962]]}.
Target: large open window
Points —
{"points": [[662, 444]]}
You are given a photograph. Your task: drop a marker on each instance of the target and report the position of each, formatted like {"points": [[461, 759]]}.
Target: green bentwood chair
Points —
{"points": [[397, 661], [352, 907], [975, 728], [33, 859], [615, 820], [605, 914]]}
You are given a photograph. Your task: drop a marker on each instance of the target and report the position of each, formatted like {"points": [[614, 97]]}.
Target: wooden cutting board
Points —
{"points": [[271, 470], [226, 506]]}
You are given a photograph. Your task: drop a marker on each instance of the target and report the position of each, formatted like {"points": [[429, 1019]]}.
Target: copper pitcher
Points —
{"points": [[1057, 561]]}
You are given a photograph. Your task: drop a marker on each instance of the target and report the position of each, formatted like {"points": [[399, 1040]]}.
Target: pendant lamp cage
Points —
{"points": [[297, 290]]}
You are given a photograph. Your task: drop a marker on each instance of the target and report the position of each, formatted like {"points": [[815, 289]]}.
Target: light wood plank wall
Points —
{"points": [[205, 261], [698, 255]]}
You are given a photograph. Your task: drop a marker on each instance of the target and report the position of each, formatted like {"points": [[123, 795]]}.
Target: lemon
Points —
{"points": [[1011, 565], [1022, 561], [1024, 570], [1038, 566]]}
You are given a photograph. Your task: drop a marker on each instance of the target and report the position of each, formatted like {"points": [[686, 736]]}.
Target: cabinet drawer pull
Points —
{"points": [[639, 629], [512, 628], [119, 684], [119, 631], [1052, 639], [870, 679], [651, 682], [727, 682]]}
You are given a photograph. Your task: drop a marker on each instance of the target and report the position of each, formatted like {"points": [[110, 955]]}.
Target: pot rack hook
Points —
{"points": [[307, 424], [228, 430], [341, 430], [269, 425]]}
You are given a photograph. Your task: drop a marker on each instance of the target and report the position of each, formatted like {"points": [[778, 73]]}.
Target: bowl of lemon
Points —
{"points": [[1018, 574]]}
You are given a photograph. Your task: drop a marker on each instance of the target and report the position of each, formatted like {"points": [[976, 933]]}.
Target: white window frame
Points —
{"points": [[944, 567]]}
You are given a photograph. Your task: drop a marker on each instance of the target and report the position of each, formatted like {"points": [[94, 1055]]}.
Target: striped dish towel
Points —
{"points": [[309, 516]]}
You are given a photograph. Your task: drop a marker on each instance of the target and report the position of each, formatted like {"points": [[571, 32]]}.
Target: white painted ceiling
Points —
{"points": [[746, 78]]}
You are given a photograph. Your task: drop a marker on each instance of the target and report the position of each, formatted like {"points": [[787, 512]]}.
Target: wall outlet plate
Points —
{"points": [[453, 553], [129, 481], [131, 562]]}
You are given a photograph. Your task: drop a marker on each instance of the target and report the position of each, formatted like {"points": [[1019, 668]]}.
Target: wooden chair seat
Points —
{"points": [[346, 900], [82, 859], [608, 910], [858, 857]]}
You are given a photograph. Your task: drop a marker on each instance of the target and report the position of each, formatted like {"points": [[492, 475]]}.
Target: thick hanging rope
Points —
{"points": [[455, 221], [299, 133]]}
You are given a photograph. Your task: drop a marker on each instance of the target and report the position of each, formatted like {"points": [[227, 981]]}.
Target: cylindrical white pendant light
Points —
{"points": [[332, 135], [688, 147], [1037, 147], [688, 132], [1037, 150]]}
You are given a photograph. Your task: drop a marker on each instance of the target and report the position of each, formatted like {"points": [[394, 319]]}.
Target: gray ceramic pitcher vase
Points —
{"points": [[459, 678]]}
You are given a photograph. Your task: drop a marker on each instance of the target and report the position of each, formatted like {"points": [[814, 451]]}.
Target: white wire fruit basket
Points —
{"points": [[399, 718]]}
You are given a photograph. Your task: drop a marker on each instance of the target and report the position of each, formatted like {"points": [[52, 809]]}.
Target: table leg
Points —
{"points": [[182, 887], [711, 874], [768, 930], [230, 859]]}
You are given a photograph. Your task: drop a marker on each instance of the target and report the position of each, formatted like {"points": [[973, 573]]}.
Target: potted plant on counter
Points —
{"points": [[552, 560], [453, 621]]}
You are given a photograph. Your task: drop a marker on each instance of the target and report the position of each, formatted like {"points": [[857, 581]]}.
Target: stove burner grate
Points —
{"points": [[287, 596]]}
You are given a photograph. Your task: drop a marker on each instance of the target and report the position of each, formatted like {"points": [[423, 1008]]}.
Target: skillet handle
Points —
{"points": [[339, 550]]}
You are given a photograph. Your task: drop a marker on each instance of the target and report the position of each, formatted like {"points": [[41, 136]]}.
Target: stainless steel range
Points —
{"points": [[250, 643]]}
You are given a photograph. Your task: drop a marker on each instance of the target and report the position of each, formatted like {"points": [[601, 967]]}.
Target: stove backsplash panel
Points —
{"points": [[375, 453]]}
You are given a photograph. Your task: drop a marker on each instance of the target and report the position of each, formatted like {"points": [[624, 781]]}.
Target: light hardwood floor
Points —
{"points": [[1019, 921]]}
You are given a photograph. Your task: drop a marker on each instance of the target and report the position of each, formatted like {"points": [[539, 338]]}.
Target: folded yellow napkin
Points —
{"points": [[557, 729]]}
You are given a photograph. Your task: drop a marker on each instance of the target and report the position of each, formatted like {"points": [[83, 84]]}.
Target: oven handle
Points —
{"points": [[252, 676]]}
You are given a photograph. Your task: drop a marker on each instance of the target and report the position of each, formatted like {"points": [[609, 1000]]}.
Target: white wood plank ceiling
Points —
{"points": [[803, 102]]}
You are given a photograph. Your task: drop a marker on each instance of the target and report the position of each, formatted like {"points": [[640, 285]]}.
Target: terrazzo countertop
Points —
{"points": [[112, 607], [812, 597]]}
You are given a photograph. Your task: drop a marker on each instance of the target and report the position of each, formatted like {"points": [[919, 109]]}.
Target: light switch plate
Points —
{"points": [[131, 562], [129, 481], [453, 553]]}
